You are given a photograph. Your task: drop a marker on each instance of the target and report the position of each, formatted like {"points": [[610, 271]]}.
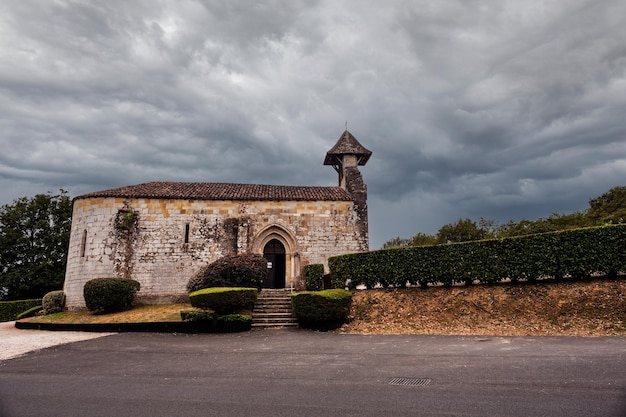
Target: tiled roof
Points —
{"points": [[347, 144], [223, 191]]}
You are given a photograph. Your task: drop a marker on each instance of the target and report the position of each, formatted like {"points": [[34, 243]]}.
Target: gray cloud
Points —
{"points": [[501, 109]]}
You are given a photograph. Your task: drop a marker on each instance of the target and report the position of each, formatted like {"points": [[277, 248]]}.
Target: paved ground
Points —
{"points": [[14, 342], [294, 372]]}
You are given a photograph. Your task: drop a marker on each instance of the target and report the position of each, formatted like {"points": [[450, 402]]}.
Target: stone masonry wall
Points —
{"points": [[161, 243]]}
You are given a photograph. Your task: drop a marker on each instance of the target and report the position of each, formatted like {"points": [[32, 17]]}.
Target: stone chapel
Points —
{"points": [[162, 233]]}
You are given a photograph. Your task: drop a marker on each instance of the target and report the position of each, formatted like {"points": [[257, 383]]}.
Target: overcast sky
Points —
{"points": [[500, 109]]}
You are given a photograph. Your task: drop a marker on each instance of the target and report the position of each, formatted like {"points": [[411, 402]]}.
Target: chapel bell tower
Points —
{"points": [[345, 157], [347, 153]]}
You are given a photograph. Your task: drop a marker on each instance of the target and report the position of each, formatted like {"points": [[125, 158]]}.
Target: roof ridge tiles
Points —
{"points": [[223, 191]]}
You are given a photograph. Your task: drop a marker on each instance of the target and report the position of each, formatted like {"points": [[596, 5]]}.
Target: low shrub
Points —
{"points": [[224, 300], [198, 316], [314, 277], [231, 323], [31, 312], [53, 302], [10, 309], [322, 310], [211, 322], [238, 270], [108, 295]]}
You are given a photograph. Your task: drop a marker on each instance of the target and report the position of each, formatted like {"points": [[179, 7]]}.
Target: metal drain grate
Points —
{"points": [[414, 382]]}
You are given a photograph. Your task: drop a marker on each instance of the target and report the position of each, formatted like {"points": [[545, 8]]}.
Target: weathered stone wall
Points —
{"points": [[358, 191], [162, 242]]}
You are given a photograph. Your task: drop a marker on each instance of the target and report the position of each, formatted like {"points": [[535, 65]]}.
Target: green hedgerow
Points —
{"points": [[314, 277], [31, 312]]}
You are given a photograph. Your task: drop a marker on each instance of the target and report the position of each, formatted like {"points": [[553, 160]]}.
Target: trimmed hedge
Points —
{"points": [[199, 316], [314, 277], [224, 300], [53, 302], [577, 253], [211, 322], [237, 270], [9, 310], [322, 310], [231, 323], [109, 295], [31, 312]]}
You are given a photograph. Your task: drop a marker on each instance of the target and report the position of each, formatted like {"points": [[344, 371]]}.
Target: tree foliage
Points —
{"points": [[34, 237], [464, 230], [610, 207], [235, 270], [552, 223]]}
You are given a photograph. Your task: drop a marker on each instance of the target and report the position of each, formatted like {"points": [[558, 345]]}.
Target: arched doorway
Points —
{"points": [[274, 252]]}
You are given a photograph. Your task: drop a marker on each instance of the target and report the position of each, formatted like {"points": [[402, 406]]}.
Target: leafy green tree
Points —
{"points": [[396, 242], [610, 207], [552, 223], [34, 238], [422, 239], [464, 230]]}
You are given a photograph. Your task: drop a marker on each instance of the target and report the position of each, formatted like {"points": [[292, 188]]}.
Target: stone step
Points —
{"points": [[273, 297], [274, 320], [270, 314], [273, 309], [268, 323], [273, 303], [274, 300]]}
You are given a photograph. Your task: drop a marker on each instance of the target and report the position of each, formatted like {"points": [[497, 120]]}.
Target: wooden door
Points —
{"points": [[274, 252]]}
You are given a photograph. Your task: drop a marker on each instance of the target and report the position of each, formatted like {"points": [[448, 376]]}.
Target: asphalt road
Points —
{"points": [[301, 373]]}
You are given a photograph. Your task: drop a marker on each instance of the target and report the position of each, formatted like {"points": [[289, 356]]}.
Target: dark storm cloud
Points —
{"points": [[500, 109]]}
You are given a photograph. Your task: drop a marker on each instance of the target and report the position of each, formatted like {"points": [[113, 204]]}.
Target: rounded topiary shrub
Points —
{"points": [[323, 310], [108, 295], [238, 270], [53, 302], [224, 300]]}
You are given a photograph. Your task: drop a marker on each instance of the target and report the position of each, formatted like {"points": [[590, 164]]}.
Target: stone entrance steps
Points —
{"points": [[273, 309]]}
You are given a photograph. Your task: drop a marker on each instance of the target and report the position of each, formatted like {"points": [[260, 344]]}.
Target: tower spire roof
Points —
{"points": [[347, 145]]}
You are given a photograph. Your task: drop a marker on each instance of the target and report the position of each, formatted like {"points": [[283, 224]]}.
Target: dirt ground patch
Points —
{"points": [[577, 308]]}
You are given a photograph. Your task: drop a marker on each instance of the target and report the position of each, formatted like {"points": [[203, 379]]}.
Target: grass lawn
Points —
{"points": [[139, 314]]}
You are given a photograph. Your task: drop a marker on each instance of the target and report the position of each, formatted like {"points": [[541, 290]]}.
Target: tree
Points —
{"points": [[553, 223], [463, 230], [422, 239], [34, 238], [610, 207], [396, 242]]}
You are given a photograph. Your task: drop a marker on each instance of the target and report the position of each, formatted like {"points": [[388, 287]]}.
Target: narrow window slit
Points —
{"points": [[83, 244]]}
